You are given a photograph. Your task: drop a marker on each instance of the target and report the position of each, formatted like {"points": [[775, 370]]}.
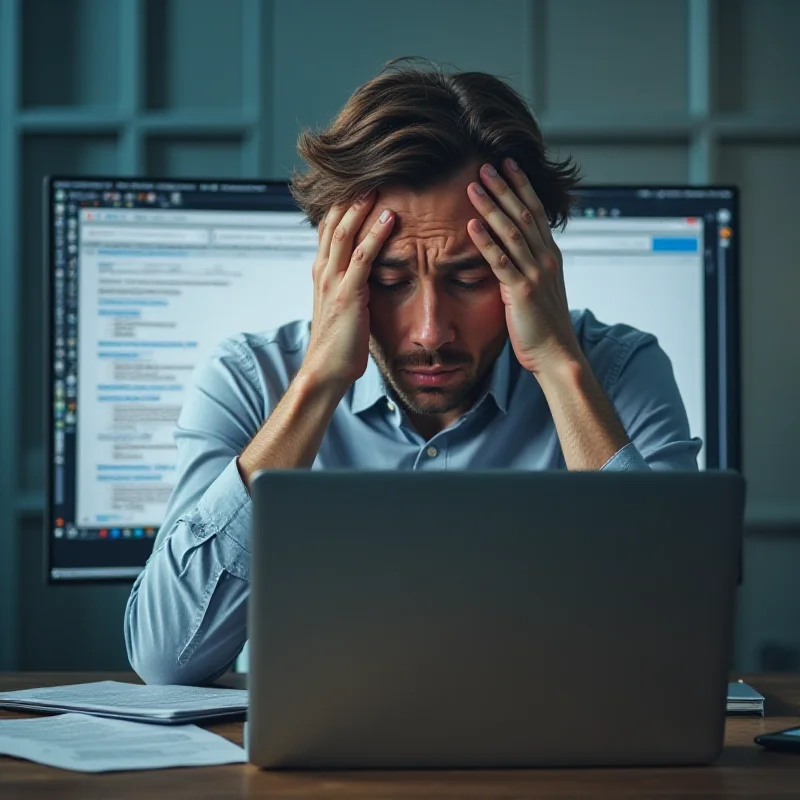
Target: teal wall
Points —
{"points": [[638, 90]]}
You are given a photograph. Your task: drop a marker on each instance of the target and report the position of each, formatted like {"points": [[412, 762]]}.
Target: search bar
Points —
{"points": [[233, 237], [101, 234], [637, 243]]}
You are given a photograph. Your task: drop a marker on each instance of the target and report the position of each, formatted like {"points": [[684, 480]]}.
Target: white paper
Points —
{"points": [[91, 744], [115, 698]]}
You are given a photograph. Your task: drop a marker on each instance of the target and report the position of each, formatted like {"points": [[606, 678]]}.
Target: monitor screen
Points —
{"points": [[146, 276]]}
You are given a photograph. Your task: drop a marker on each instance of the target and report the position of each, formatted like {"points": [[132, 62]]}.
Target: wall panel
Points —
{"points": [[316, 69], [192, 54], [69, 53], [759, 57], [629, 162], [616, 56], [770, 287], [195, 158]]}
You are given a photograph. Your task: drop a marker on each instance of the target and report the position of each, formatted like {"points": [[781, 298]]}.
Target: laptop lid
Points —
{"points": [[490, 619]]}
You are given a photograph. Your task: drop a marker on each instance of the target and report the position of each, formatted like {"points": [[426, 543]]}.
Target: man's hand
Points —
{"points": [[528, 264], [339, 346]]}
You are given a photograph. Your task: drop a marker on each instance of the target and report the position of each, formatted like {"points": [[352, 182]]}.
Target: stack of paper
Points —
{"points": [[130, 701], [744, 699], [80, 742]]}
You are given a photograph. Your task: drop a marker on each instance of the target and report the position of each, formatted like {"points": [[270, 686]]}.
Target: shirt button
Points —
{"points": [[432, 452]]}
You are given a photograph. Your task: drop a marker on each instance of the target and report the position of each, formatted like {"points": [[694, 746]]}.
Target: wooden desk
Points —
{"points": [[744, 770]]}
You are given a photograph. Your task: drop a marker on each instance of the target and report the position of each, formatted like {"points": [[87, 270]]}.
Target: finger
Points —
{"points": [[343, 233], [325, 234], [329, 223], [361, 262], [502, 266], [522, 187], [509, 234], [507, 198]]}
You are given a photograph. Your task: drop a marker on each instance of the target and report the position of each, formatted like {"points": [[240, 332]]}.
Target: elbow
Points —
{"points": [[154, 658], [160, 671], [185, 620], [161, 666], [154, 669], [152, 663], [158, 656]]}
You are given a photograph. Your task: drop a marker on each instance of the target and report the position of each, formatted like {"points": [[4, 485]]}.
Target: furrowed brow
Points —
{"points": [[451, 265]]}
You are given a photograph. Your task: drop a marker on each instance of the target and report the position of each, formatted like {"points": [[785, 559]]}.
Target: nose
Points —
{"points": [[432, 324]]}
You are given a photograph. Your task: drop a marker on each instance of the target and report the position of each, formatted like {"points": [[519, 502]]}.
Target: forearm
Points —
{"points": [[292, 435], [185, 621], [587, 424]]}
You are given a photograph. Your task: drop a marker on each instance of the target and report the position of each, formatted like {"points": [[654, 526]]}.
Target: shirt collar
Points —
{"points": [[370, 388], [501, 378]]}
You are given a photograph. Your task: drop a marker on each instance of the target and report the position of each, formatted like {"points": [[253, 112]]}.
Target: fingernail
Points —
{"points": [[478, 225], [479, 189], [384, 217], [513, 165], [490, 171]]}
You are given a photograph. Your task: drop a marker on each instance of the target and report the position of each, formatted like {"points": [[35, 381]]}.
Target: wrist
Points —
{"points": [[589, 430], [565, 371], [314, 384]]}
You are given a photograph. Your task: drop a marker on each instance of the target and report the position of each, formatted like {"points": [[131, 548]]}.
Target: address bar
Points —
{"points": [[605, 242], [134, 234]]}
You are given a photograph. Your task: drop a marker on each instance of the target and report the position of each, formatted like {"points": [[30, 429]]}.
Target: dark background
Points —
{"points": [[639, 91]]}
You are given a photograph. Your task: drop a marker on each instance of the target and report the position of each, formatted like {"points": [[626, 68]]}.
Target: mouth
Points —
{"points": [[431, 376]]}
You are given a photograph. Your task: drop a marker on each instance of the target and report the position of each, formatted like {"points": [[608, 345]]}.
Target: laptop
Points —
{"points": [[490, 619]]}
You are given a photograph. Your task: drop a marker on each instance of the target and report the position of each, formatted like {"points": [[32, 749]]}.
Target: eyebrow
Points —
{"points": [[455, 264]]}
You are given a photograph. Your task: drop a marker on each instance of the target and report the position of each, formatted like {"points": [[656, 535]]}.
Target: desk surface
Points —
{"points": [[744, 770]]}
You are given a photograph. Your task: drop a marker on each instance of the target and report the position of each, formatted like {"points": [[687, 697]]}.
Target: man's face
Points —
{"points": [[436, 317]]}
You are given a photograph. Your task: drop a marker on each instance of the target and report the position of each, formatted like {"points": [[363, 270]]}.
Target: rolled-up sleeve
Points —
{"points": [[648, 402], [185, 620]]}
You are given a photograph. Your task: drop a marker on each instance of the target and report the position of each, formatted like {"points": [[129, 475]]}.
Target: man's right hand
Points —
{"points": [[339, 346]]}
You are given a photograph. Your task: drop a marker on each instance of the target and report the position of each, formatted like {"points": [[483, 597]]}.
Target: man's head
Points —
{"points": [[418, 137]]}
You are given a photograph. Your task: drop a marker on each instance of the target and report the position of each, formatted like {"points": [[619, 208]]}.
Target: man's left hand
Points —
{"points": [[528, 264]]}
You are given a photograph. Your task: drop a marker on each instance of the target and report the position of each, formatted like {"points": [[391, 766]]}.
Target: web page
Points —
{"points": [[158, 291]]}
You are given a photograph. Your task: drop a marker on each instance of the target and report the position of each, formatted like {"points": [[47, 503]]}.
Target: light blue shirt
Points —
{"points": [[185, 621]]}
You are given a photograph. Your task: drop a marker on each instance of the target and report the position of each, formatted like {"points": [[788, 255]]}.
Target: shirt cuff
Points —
{"points": [[226, 511], [628, 458]]}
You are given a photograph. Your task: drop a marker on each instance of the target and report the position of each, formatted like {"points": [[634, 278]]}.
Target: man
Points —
{"points": [[441, 339]]}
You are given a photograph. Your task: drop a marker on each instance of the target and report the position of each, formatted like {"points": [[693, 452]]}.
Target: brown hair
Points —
{"points": [[415, 128]]}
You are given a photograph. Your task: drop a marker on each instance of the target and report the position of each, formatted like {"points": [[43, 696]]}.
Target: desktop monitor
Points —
{"points": [[146, 276]]}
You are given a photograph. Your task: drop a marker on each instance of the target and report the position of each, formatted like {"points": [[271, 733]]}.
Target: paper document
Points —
{"points": [[744, 699], [88, 744], [117, 700]]}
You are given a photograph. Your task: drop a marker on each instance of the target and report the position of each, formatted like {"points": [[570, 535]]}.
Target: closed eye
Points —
{"points": [[391, 286], [470, 286], [396, 286]]}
